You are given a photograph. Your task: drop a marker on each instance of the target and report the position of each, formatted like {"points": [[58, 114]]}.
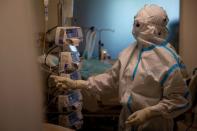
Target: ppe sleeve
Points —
{"points": [[106, 82], [176, 96]]}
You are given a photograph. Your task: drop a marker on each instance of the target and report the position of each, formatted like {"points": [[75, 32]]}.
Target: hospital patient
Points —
{"points": [[148, 75]]}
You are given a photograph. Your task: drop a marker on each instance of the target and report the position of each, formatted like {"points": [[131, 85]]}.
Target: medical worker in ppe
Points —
{"points": [[148, 75]]}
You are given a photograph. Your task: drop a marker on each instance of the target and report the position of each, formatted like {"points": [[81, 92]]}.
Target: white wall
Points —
{"points": [[67, 12], [20, 82], [53, 19], [188, 33]]}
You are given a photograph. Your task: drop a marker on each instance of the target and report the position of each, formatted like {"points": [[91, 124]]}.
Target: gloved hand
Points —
{"points": [[68, 83], [141, 116]]}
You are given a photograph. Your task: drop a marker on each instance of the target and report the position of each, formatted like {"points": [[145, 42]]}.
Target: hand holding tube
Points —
{"points": [[68, 83]]}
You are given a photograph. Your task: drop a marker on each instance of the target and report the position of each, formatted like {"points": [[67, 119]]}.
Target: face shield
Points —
{"points": [[150, 25]]}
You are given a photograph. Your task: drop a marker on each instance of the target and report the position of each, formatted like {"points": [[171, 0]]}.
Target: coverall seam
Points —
{"points": [[136, 67], [129, 104], [168, 73], [174, 56]]}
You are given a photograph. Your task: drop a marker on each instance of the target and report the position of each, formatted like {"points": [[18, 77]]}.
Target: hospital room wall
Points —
{"points": [[53, 18], [188, 33], [20, 81]]}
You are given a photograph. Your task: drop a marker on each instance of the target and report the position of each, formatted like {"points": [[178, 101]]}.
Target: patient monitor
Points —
{"points": [[65, 34]]}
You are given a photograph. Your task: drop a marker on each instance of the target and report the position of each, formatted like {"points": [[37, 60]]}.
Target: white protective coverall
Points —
{"points": [[148, 73]]}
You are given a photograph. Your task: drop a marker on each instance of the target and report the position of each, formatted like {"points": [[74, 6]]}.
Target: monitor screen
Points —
{"points": [[71, 33], [73, 48]]}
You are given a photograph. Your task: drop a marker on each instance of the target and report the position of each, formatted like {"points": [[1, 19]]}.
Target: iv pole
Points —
{"points": [[60, 12]]}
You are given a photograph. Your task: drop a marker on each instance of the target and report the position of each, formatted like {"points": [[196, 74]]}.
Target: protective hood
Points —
{"points": [[150, 25]]}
